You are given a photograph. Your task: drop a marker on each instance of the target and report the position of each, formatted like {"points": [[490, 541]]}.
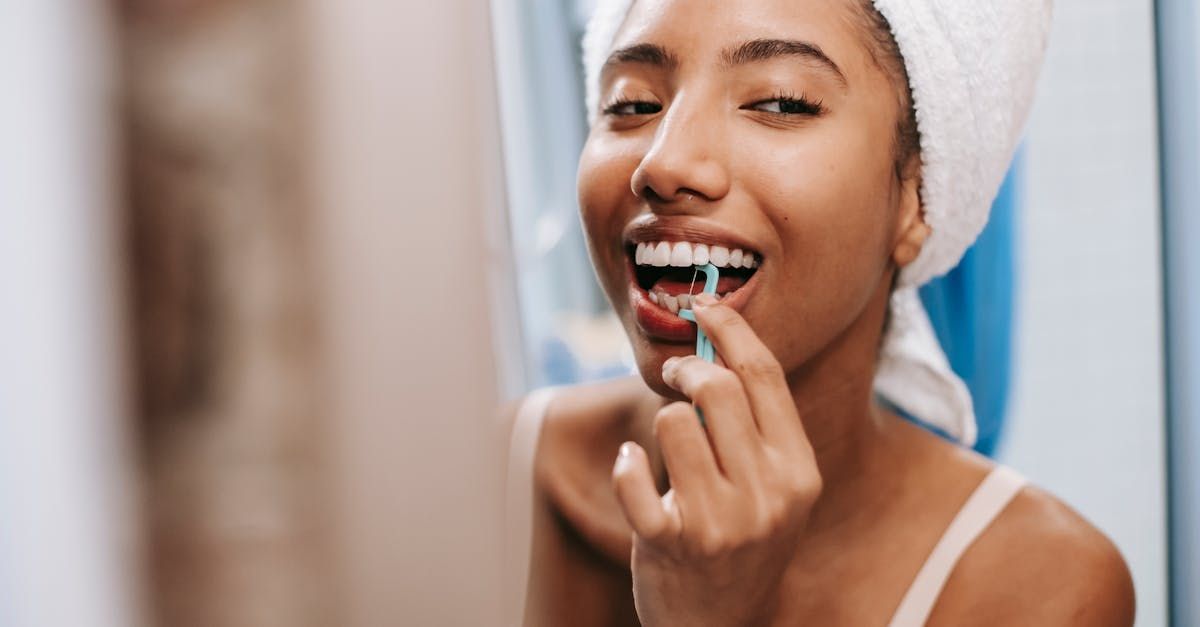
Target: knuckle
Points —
{"points": [[712, 543], [802, 493], [790, 495], [761, 369], [725, 318], [718, 383], [726, 380], [813, 489], [670, 418], [658, 534], [657, 531], [773, 518], [661, 426], [767, 525], [783, 512]]}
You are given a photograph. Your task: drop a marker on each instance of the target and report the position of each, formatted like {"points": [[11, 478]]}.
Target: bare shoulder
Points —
{"points": [[581, 432], [591, 413], [582, 409], [580, 544], [1039, 562]]}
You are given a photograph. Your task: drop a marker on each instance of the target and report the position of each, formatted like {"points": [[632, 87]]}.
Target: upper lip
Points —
{"points": [[685, 229]]}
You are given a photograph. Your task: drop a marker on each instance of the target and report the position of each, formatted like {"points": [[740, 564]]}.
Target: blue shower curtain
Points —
{"points": [[972, 312]]}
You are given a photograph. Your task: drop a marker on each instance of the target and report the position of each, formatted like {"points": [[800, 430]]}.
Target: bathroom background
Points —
{"points": [[270, 267]]}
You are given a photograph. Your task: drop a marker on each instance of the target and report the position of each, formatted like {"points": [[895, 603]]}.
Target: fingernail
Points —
{"points": [[704, 299], [624, 451]]}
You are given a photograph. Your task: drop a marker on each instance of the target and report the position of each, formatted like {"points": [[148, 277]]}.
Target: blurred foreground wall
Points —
{"points": [[314, 191], [223, 310]]}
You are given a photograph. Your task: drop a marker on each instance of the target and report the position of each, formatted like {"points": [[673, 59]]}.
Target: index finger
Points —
{"points": [[761, 375]]}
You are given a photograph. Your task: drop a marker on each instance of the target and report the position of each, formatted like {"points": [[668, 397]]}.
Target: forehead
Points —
{"points": [[696, 31]]}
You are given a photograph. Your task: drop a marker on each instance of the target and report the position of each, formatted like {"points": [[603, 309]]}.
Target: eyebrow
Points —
{"points": [[753, 51], [644, 54], [758, 50]]}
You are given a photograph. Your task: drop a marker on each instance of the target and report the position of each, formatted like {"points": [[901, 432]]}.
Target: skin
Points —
{"points": [[804, 502]]}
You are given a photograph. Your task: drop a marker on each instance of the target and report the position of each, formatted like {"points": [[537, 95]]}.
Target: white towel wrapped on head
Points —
{"points": [[972, 67]]}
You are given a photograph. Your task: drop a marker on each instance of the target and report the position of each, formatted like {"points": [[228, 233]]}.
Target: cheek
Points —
{"points": [[829, 198], [605, 205], [831, 201]]}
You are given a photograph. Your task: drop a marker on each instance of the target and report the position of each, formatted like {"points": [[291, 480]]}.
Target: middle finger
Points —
{"points": [[730, 421]]}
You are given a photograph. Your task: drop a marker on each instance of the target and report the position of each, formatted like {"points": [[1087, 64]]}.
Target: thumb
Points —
{"points": [[643, 507]]}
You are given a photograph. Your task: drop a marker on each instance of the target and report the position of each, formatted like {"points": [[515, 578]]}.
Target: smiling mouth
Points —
{"points": [[666, 270]]}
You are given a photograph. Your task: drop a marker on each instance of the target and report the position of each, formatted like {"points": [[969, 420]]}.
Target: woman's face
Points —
{"points": [[764, 126]]}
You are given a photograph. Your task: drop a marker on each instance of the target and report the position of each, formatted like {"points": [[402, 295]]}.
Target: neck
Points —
{"points": [[851, 438], [854, 440]]}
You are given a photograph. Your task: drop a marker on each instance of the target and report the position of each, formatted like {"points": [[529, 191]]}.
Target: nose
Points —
{"points": [[686, 161]]}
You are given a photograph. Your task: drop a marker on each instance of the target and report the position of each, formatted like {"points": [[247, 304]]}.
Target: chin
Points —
{"points": [[650, 357]]}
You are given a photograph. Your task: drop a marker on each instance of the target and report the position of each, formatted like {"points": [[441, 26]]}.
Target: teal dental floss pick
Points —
{"points": [[704, 347]]}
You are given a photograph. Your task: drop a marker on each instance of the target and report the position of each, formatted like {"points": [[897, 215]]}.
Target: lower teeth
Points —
{"points": [[678, 302]]}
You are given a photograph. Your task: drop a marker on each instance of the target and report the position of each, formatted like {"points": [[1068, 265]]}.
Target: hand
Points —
{"points": [[713, 549]]}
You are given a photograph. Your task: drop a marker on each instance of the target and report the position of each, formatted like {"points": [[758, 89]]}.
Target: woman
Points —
{"points": [[829, 155]]}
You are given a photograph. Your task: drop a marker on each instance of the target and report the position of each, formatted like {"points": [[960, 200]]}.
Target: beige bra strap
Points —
{"points": [[518, 504], [984, 504]]}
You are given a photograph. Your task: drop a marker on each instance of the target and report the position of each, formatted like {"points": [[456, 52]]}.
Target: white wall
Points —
{"points": [[1087, 417], [69, 551]]}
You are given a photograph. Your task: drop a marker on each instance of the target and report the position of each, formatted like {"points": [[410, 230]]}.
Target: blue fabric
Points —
{"points": [[971, 308]]}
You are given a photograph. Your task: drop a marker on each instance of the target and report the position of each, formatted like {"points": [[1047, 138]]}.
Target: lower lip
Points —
{"points": [[660, 324]]}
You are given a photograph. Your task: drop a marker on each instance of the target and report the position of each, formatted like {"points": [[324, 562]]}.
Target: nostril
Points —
{"points": [[649, 194]]}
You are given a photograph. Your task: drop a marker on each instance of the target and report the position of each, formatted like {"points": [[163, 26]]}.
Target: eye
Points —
{"points": [[632, 107], [788, 106]]}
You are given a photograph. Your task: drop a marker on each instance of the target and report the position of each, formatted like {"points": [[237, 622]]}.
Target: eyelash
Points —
{"points": [[802, 104], [612, 108]]}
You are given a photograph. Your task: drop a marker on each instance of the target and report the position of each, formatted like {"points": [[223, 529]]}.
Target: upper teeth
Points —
{"points": [[683, 254]]}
